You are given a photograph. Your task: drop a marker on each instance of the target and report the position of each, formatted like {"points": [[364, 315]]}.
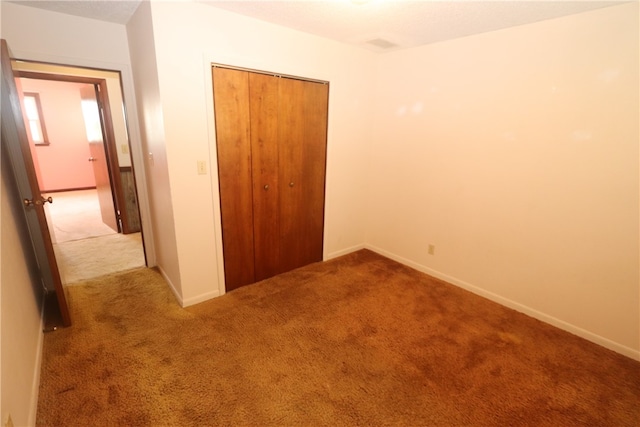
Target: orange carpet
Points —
{"points": [[356, 341]]}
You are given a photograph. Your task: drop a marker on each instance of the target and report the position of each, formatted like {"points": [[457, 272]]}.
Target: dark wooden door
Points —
{"points": [[271, 144], [15, 145], [265, 104], [302, 153], [231, 103]]}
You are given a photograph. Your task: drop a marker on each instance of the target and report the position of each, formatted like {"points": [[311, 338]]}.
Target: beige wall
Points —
{"points": [[183, 58], [515, 153], [21, 335], [143, 58]]}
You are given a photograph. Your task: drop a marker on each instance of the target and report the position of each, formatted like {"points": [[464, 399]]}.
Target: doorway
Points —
{"points": [[86, 169]]}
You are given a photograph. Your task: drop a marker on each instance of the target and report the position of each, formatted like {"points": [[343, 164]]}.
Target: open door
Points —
{"points": [[16, 146], [98, 157], [118, 202]]}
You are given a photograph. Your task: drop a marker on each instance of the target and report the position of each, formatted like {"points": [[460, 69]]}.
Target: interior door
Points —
{"points": [[231, 103], [98, 159], [15, 144], [302, 152], [264, 100], [271, 135]]}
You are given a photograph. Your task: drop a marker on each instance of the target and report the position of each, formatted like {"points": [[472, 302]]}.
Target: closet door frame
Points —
{"points": [[256, 187]]}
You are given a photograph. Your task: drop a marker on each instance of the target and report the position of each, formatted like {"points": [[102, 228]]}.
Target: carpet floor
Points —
{"points": [[356, 341], [84, 259], [75, 215]]}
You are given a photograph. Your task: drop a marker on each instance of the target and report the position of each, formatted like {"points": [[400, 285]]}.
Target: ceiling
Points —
{"points": [[378, 25]]}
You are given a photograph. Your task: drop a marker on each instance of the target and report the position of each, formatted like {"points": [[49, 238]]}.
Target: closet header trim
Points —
{"points": [[269, 73]]}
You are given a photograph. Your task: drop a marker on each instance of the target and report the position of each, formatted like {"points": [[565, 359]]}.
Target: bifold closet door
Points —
{"points": [[302, 154], [271, 144], [231, 103], [265, 105]]}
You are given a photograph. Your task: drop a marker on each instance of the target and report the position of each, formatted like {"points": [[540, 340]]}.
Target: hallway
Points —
{"points": [[84, 246]]}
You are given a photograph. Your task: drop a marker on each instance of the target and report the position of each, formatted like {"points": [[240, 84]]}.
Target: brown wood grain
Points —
{"points": [[232, 118], [131, 208], [271, 135], [14, 139], [303, 148], [264, 148]]}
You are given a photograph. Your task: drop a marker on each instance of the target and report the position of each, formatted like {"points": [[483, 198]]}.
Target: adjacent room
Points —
{"points": [[478, 257]]}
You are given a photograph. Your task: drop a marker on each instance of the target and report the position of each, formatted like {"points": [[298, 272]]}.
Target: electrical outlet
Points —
{"points": [[202, 167], [432, 250], [124, 148]]}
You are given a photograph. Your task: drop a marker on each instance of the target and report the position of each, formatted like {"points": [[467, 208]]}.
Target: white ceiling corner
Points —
{"points": [[114, 11], [402, 23]]}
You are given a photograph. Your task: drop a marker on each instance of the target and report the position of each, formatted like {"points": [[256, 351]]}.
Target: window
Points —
{"points": [[92, 123], [35, 120]]}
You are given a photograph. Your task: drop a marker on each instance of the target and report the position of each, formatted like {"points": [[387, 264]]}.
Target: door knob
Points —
{"points": [[42, 201], [266, 187], [92, 159], [291, 184]]}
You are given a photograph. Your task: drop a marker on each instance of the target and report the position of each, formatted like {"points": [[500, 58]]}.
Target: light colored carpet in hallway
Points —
{"points": [[75, 215], [85, 247], [88, 258]]}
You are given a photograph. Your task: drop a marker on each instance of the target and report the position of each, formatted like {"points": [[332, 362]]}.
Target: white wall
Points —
{"points": [[143, 60], [21, 290], [188, 38], [515, 153]]}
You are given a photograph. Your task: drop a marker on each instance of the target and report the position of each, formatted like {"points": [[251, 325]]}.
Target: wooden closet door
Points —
{"points": [[232, 117], [302, 153], [264, 146]]}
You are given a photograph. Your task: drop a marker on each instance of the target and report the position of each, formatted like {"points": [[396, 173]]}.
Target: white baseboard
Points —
{"points": [[37, 368], [189, 301], [200, 298], [171, 285], [583, 333], [343, 252]]}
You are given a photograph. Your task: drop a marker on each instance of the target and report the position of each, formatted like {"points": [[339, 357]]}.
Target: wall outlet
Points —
{"points": [[202, 167], [124, 148], [432, 250]]}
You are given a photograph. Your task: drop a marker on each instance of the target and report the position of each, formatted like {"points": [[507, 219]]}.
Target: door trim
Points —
{"points": [[138, 155], [269, 73], [107, 127]]}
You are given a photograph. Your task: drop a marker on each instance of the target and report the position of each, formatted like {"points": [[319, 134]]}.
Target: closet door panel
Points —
{"points": [[291, 133], [302, 168], [232, 117], [264, 146]]}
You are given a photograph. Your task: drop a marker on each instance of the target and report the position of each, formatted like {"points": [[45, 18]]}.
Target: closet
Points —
{"points": [[271, 134]]}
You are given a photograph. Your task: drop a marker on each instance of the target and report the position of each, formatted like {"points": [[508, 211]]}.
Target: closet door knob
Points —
{"points": [[266, 187], [291, 184]]}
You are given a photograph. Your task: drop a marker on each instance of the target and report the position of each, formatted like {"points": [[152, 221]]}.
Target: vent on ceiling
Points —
{"points": [[382, 43]]}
